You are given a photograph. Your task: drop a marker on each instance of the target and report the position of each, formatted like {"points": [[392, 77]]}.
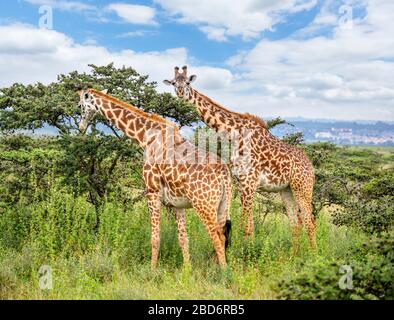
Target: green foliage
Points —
{"points": [[26, 165], [33, 106], [372, 216], [371, 206], [85, 162], [275, 122], [114, 262], [372, 274], [346, 175], [379, 186], [54, 190], [321, 153], [293, 138]]}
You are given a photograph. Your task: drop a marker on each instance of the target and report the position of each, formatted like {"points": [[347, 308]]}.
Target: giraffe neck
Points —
{"points": [[220, 118], [135, 123], [212, 113]]}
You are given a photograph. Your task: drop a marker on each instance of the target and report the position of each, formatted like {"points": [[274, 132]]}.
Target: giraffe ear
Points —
{"points": [[192, 78], [105, 91], [168, 82]]}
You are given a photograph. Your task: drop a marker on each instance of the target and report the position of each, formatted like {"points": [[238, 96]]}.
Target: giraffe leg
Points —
{"points": [[218, 239], [247, 186], [304, 202], [154, 208], [248, 190], [294, 217], [247, 214], [223, 215], [215, 231], [180, 216]]}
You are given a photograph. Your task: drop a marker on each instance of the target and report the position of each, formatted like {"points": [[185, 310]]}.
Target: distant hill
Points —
{"points": [[360, 133], [341, 132]]}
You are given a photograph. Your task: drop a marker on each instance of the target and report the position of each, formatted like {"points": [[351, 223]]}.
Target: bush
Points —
{"points": [[371, 216], [14, 267], [379, 186], [373, 271], [98, 265]]}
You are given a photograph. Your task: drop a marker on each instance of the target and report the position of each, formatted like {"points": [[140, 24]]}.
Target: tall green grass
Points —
{"points": [[114, 262]]}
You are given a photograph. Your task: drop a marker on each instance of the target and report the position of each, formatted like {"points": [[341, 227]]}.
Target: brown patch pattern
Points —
{"points": [[182, 183]]}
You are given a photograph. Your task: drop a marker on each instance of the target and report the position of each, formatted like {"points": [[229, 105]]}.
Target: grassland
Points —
{"points": [[115, 264], [55, 227]]}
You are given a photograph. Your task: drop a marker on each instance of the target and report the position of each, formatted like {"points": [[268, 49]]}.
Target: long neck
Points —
{"points": [[136, 124], [214, 115]]}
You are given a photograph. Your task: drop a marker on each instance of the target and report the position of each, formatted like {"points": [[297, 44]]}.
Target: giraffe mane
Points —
{"points": [[255, 118], [125, 105], [246, 116]]}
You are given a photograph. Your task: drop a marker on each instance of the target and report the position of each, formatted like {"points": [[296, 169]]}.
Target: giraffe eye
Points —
{"points": [[86, 96]]}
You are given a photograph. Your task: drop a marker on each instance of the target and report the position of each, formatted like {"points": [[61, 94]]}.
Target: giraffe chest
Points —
{"points": [[171, 198]]}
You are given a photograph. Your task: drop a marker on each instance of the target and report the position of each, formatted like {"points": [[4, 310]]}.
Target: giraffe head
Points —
{"points": [[89, 108], [181, 82]]}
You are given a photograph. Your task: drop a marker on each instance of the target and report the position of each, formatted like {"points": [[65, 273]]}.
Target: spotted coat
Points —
{"points": [[181, 177], [261, 161]]}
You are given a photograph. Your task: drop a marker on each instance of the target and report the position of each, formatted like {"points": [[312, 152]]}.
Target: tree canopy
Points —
{"points": [[87, 161], [33, 106]]}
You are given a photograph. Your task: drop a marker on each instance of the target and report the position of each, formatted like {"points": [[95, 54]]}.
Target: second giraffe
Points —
{"points": [[262, 160]]}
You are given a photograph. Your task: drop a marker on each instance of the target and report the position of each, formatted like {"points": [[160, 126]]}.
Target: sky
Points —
{"points": [[325, 59]]}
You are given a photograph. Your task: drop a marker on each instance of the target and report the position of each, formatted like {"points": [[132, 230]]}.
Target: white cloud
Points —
{"points": [[63, 5], [130, 13], [29, 55], [137, 33], [210, 78], [349, 74], [135, 14], [214, 33], [19, 39], [220, 19], [333, 13]]}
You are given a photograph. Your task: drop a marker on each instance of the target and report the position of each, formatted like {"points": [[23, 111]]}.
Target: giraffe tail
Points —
{"points": [[227, 226], [224, 211], [227, 233]]}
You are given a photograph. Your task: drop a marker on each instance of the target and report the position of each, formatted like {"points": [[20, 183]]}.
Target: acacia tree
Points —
{"points": [[88, 160]]}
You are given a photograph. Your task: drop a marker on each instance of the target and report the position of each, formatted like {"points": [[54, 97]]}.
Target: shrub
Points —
{"points": [[372, 266], [371, 216], [98, 265]]}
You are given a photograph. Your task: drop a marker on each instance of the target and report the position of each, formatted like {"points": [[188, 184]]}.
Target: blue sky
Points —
{"points": [[294, 58], [85, 25]]}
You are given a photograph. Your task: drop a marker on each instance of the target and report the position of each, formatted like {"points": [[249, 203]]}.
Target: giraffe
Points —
{"points": [[175, 172], [262, 161]]}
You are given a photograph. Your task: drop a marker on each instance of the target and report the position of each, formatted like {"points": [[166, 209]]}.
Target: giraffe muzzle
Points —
{"points": [[82, 127]]}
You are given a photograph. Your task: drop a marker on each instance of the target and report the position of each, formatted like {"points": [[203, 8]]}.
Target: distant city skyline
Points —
{"points": [[314, 59], [364, 133]]}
